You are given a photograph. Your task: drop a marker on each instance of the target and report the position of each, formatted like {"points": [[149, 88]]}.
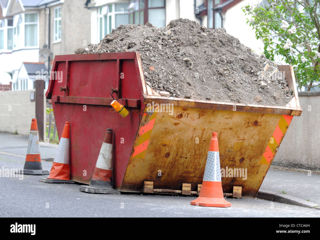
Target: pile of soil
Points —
{"points": [[186, 60]]}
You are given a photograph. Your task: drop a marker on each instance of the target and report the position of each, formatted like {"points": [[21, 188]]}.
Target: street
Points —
{"points": [[26, 196]]}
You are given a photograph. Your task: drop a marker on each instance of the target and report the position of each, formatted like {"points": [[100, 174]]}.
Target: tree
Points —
{"points": [[290, 29]]}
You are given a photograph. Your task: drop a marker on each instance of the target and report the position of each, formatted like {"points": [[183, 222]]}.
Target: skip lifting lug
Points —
{"points": [[63, 89], [122, 101], [114, 91], [118, 107]]}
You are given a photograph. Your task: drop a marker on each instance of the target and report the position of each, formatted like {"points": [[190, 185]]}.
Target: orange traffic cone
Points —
{"points": [[211, 194], [60, 170], [102, 175], [32, 165]]}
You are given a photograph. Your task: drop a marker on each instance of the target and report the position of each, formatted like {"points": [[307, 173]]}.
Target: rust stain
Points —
{"points": [[179, 116]]}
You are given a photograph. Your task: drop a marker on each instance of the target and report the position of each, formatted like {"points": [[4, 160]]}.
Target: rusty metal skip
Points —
{"points": [[152, 140]]}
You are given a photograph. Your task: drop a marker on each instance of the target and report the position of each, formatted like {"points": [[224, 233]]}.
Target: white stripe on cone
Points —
{"points": [[33, 143], [63, 152], [212, 171], [105, 157]]}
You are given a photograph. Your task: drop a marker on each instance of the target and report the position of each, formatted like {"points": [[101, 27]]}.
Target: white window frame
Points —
{"points": [[19, 39], [7, 30], [57, 37], [24, 23], [104, 11], [16, 36], [114, 13], [3, 28], [217, 15], [210, 14]]}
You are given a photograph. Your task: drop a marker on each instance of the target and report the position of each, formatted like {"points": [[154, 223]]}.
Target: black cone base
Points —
{"points": [[98, 189], [48, 180]]}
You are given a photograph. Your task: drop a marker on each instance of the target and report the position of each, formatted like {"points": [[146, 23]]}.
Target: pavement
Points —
{"points": [[26, 196], [297, 183]]}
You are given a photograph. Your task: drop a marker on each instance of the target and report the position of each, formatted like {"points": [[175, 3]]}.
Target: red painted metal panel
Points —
{"points": [[80, 91]]}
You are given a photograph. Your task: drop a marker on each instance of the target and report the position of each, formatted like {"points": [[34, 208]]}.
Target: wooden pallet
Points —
{"points": [[186, 190]]}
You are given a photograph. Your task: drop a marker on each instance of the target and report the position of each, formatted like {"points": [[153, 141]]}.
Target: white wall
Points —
{"points": [[5, 78], [235, 23], [205, 21], [94, 27], [16, 112], [13, 61], [300, 146], [172, 10], [103, 2], [187, 9]]}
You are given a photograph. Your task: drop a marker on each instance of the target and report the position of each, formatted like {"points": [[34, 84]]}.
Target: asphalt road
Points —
{"points": [[26, 196]]}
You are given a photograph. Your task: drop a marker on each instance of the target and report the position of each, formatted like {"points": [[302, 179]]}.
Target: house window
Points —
{"points": [[31, 30], [155, 3], [214, 16], [17, 40], [157, 13], [210, 13], [217, 16], [1, 34], [152, 11], [57, 24], [10, 33], [112, 16], [104, 27], [121, 14], [136, 9]]}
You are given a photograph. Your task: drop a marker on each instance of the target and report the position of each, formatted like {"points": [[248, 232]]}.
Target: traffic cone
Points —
{"points": [[102, 175], [211, 194], [32, 165], [60, 170]]}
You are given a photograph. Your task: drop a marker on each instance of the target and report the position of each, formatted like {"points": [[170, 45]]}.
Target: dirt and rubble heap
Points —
{"points": [[186, 60]]}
